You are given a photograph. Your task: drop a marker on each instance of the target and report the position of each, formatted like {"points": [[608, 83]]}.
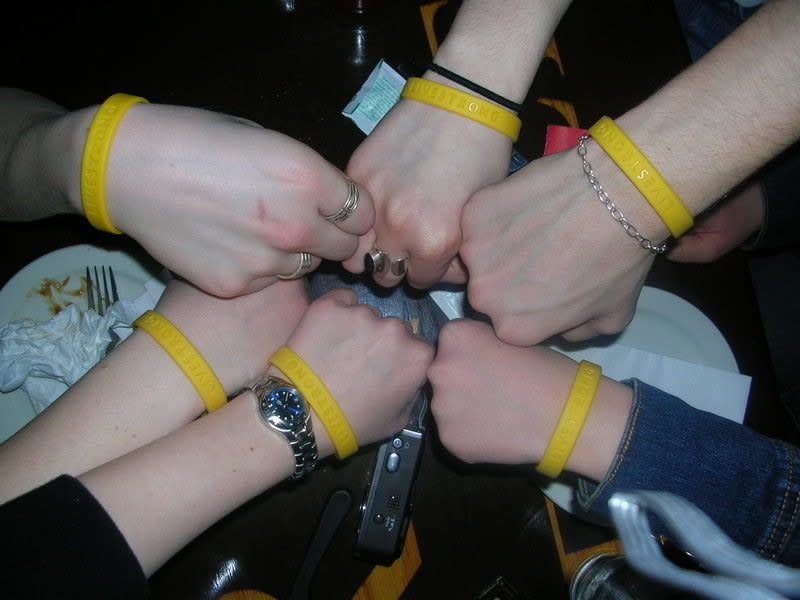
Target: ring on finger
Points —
{"points": [[303, 265], [375, 261], [398, 266], [349, 206]]}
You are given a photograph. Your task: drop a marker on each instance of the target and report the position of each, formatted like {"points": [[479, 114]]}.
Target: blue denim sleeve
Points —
{"points": [[747, 483]]}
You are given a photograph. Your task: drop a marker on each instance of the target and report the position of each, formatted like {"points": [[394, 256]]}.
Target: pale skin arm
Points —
{"points": [[138, 393], [544, 256], [191, 478], [422, 163], [217, 199]]}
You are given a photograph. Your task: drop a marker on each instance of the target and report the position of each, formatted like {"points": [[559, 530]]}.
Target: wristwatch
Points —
{"points": [[284, 409]]}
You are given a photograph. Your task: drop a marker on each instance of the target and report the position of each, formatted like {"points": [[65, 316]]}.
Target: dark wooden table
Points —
{"points": [[292, 66]]}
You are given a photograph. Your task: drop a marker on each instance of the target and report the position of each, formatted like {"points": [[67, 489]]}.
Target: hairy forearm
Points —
{"points": [[729, 113], [500, 43], [39, 156]]}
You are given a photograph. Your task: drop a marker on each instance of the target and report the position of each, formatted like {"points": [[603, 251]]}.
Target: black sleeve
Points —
{"points": [[59, 542], [779, 184]]}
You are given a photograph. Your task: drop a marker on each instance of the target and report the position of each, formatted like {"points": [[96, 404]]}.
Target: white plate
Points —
{"points": [[663, 324], [669, 325], [49, 284]]}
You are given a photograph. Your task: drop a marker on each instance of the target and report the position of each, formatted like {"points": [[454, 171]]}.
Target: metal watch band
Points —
{"points": [[299, 435]]}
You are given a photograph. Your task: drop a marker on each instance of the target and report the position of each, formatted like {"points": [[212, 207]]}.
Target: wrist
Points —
{"points": [[464, 104], [624, 194], [605, 425], [319, 399], [663, 139], [267, 451], [439, 78], [186, 356], [325, 446], [140, 365], [605, 422], [69, 141], [44, 167], [503, 81], [212, 347], [499, 44]]}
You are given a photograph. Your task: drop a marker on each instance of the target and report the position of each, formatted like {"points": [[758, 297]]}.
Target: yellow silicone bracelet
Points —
{"points": [[94, 164], [643, 174], [572, 419], [466, 105], [186, 356], [317, 395]]}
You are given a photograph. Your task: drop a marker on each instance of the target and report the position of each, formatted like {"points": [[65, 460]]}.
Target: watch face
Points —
{"points": [[283, 407]]}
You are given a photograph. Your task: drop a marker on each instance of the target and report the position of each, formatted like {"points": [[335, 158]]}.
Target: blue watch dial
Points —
{"points": [[283, 409], [284, 406]]}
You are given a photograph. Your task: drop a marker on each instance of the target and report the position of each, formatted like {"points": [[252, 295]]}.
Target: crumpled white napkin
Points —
{"points": [[45, 358]]}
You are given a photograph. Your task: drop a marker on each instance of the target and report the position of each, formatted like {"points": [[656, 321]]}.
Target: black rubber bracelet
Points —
{"points": [[479, 89]]}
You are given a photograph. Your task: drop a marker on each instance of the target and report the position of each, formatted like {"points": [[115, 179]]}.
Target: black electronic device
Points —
{"points": [[386, 509]]}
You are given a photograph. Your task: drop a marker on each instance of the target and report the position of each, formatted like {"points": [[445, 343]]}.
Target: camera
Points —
{"points": [[386, 508]]}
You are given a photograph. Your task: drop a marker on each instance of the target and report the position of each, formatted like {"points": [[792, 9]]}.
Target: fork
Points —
{"points": [[97, 299]]}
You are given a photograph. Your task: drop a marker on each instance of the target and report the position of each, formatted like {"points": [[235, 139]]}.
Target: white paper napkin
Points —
{"points": [[45, 358], [714, 390]]}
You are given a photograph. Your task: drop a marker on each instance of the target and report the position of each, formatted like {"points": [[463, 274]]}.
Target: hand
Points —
{"points": [[526, 389], [725, 228], [421, 164], [544, 256], [371, 365], [238, 335], [224, 203]]}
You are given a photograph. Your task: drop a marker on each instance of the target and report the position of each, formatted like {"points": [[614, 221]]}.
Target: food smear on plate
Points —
{"points": [[60, 293]]}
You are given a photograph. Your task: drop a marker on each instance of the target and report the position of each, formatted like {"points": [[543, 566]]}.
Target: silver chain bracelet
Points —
{"points": [[615, 212]]}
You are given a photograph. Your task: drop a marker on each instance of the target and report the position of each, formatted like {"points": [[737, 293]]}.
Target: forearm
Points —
{"points": [[165, 494], [722, 118], [40, 153], [500, 43], [138, 393], [135, 395]]}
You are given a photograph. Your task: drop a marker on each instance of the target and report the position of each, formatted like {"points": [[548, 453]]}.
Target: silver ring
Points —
{"points": [[375, 261], [302, 266], [349, 206], [398, 266]]}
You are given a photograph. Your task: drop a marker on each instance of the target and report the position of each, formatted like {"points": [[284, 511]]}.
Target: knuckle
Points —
{"points": [[328, 302], [225, 285], [431, 239], [512, 331], [613, 323], [439, 245], [426, 354], [455, 334], [449, 336], [577, 335], [456, 446], [481, 297], [472, 210], [289, 236]]}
